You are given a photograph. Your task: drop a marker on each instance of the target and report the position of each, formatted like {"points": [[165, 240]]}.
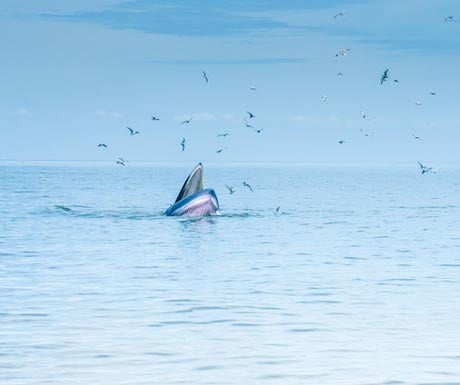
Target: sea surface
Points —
{"points": [[355, 280]]}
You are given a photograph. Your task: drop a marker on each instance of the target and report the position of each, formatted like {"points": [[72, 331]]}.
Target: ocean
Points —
{"points": [[354, 280]]}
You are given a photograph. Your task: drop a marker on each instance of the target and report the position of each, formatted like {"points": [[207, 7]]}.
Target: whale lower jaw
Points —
{"points": [[199, 204]]}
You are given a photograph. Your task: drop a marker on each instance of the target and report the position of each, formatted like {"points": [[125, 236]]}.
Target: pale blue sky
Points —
{"points": [[75, 74]]}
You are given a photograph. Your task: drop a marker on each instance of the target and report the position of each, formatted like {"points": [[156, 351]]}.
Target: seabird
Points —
{"points": [[121, 161], [339, 73], [364, 116], [365, 133], [205, 77], [449, 18], [132, 132], [220, 150], [277, 209], [155, 118], [324, 98], [259, 130], [102, 145], [417, 103], [247, 124], [425, 169], [341, 14], [186, 121], [384, 76], [252, 88], [416, 137], [341, 142], [231, 190], [248, 186], [396, 80], [251, 115], [343, 52], [432, 93], [223, 135], [182, 144]]}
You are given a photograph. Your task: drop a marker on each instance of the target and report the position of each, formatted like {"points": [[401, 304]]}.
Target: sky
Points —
{"points": [[76, 73]]}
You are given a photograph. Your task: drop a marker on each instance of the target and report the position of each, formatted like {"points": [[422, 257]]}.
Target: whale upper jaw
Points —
{"points": [[192, 199], [202, 203], [193, 184]]}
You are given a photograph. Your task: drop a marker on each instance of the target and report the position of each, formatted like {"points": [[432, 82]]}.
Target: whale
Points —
{"points": [[193, 200]]}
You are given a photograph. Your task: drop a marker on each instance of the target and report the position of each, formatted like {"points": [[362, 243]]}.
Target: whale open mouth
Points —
{"points": [[193, 184], [193, 200]]}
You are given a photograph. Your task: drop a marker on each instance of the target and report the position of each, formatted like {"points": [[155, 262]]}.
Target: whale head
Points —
{"points": [[192, 199]]}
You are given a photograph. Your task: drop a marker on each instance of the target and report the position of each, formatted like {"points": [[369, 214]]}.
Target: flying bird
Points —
{"points": [[339, 73], [363, 115], [251, 115], [324, 98], [182, 144], [223, 135], [252, 88], [155, 118], [248, 186], [341, 14], [121, 161], [365, 133], [102, 145], [247, 124], [426, 169], [205, 77], [277, 210], [416, 137], [187, 121], [384, 76], [220, 150], [231, 190], [259, 130], [396, 80], [417, 103], [132, 132], [432, 93], [343, 52], [449, 18], [341, 142]]}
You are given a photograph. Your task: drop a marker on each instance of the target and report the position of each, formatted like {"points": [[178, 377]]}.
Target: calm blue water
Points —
{"points": [[355, 281]]}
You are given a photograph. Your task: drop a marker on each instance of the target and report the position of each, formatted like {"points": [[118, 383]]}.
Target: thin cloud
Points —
{"points": [[311, 119], [229, 117], [258, 61], [109, 114], [337, 120], [197, 116], [22, 111], [194, 17], [18, 111], [303, 119]]}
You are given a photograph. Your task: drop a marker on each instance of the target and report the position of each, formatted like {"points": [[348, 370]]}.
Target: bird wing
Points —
{"points": [[384, 76]]}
